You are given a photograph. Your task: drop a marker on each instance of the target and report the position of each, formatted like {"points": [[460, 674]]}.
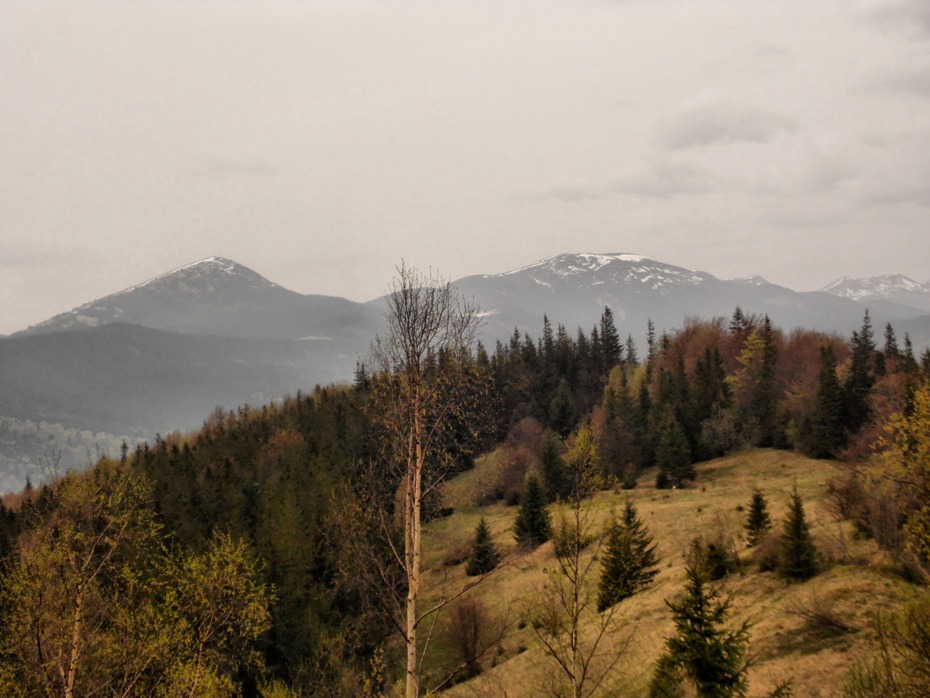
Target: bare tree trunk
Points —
{"points": [[415, 396], [415, 495], [76, 630]]}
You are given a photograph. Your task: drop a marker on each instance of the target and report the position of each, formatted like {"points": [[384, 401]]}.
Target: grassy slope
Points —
{"points": [[855, 584]]}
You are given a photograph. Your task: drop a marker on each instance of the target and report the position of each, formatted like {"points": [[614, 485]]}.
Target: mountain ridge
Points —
{"points": [[217, 296], [896, 288], [162, 354]]}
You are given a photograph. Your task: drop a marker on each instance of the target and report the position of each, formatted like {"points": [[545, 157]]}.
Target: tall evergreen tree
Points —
{"points": [[711, 389], [632, 356], [858, 386], [673, 454], [629, 563], [555, 480], [797, 554], [906, 361], [822, 434], [702, 650], [547, 345], [758, 523], [640, 423], [531, 527], [611, 346], [483, 557], [891, 342], [737, 321], [361, 380], [562, 413], [764, 397]]}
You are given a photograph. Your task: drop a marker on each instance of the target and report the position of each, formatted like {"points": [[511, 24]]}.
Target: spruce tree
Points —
{"points": [[562, 413], [611, 347], [891, 342], [483, 557], [629, 560], [711, 389], [797, 554], [632, 356], [703, 650], [858, 386], [361, 381], [531, 527], [764, 403], [737, 321], [822, 434], [673, 454], [556, 482], [759, 522]]}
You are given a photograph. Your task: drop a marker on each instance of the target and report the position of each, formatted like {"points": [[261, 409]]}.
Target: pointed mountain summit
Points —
{"points": [[895, 288], [217, 296], [207, 276]]}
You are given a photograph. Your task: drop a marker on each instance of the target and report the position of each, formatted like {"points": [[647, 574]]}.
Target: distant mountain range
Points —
{"points": [[574, 288], [163, 354]]}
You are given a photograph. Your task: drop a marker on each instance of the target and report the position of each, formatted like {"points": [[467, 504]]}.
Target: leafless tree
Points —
{"points": [[586, 646], [427, 400]]}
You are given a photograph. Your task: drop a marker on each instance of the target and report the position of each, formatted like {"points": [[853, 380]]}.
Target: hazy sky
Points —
{"points": [[320, 142]]}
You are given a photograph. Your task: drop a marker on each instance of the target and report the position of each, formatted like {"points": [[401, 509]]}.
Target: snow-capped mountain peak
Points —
{"points": [[614, 268], [892, 287], [211, 269], [215, 281]]}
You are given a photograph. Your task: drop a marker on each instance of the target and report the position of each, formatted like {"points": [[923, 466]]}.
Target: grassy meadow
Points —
{"points": [[810, 632]]}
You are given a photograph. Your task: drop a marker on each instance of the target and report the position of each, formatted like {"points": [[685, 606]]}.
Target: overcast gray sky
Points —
{"points": [[319, 142]]}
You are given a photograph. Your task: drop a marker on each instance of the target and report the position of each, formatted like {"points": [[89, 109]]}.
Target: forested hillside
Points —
{"points": [[264, 553]]}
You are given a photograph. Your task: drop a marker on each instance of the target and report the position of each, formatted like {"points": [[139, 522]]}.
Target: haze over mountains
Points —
{"points": [[163, 354]]}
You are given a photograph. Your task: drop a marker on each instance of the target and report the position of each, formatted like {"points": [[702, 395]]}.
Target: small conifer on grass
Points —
{"points": [[702, 650], [629, 560], [797, 554], [532, 527], [483, 557], [759, 522]]}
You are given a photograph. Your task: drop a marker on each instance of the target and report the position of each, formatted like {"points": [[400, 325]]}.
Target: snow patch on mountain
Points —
{"points": [[890, 286], [752, 281], [608, 269], [212, 277], [191, 276], [569, 264]]}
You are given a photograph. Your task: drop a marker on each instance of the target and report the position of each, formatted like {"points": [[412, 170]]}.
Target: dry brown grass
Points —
{"points": [[786, 642]]}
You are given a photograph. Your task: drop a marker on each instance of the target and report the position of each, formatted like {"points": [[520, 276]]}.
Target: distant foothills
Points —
{"points": [[162, 355]]}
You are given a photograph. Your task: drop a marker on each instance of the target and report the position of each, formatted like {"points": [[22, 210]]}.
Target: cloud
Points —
{"points": [[910, 15], [716, 124], [916, 195], [663, 181], [31, 256], [213, 164], [914, 81], [826, 174]]}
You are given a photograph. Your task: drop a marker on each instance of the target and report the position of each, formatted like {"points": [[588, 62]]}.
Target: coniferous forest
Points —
{"points": [[267, 553]]}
